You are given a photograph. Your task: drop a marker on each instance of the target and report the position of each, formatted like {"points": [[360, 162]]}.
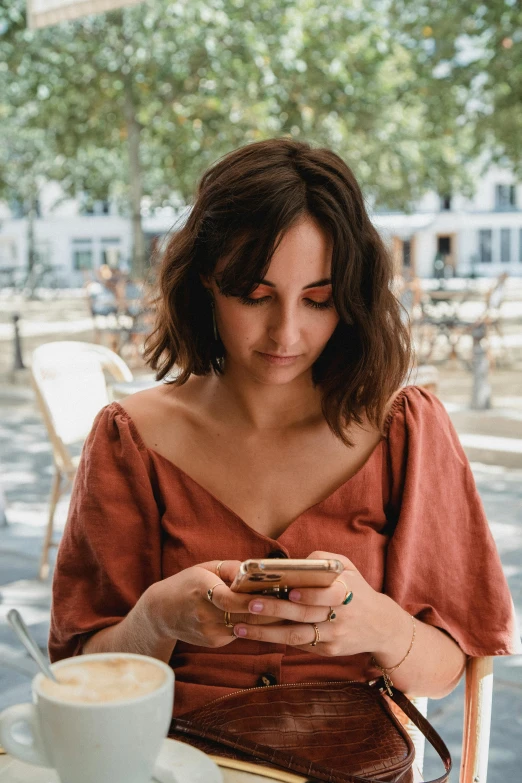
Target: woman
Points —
{"points": [[285, 434]]}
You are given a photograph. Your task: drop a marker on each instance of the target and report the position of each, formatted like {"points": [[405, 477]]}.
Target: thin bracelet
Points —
{"points": [[387, 670]]}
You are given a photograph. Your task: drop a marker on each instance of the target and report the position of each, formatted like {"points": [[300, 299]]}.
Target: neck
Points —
{"points": [[263, 407]]}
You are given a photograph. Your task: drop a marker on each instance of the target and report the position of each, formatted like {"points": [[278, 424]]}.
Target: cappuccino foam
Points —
{"points": [[97, 682]]}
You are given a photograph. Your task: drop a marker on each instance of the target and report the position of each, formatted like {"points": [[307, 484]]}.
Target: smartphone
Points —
{"points": [[278, 577]]}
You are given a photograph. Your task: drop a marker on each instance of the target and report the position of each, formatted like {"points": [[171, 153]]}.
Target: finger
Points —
{"points": [[252, 619], [227, 569], [228, 601], [287, 610], [320, 555], [294, 634], [334, 595]]}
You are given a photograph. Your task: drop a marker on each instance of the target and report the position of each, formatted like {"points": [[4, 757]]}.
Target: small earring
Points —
{"points": [[214, 325]]}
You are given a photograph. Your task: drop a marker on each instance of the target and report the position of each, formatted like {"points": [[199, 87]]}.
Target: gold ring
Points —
{"points": [[349, 593], [218, 568], [228, 623], [210, 591], [331, 614], [317, 637]]}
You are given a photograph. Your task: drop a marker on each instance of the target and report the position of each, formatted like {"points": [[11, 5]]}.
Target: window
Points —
{"points": [[505, 245], [445, 203], [82, 255], [20, 208], [485, 246], [16, 208], [406, 253], [90, 206], [43, 253], [111, 251], [505, 197]]}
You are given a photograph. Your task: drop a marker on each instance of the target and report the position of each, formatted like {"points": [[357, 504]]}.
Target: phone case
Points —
{"points": [[278, 577]]}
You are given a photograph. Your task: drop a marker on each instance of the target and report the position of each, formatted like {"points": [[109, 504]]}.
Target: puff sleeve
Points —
{"points": [[442, 564], [110, 552]]}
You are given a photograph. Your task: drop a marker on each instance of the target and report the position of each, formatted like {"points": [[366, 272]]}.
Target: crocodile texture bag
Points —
{"points": [[339, 732]]}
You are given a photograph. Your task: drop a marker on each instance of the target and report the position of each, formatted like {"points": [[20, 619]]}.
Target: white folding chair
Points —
{"points": [[70, 386]]}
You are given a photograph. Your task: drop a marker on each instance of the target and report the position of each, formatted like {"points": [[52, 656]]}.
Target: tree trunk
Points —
{"points": [[135, 181], [31, 244]]}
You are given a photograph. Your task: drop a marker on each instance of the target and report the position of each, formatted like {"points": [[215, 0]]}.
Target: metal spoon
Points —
{"points": [[14, 619]]}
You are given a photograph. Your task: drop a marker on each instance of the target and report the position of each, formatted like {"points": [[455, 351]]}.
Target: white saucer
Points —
{"points": [[181, 764], [186, 764]]}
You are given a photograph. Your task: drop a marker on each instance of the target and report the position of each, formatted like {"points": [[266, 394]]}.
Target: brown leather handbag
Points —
{"points": [[337, 732]]}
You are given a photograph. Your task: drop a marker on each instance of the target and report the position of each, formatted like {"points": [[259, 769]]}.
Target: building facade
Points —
{"points": [[479, 237]]}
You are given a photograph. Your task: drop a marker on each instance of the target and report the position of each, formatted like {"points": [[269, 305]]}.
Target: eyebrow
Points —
{"points": [[318, 283]]}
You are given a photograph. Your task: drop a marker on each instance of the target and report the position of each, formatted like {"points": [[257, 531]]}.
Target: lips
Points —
{"points": [[281, 356], [277, 359]]}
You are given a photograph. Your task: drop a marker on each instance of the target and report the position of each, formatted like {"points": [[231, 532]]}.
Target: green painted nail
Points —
{"points": [[348, 598]]}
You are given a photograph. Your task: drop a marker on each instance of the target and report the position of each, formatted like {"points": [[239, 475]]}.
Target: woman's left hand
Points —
{"points": [[363, 624]]}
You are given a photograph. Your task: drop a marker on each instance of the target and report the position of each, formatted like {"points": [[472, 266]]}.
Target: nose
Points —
{"points": [[284, 329]]}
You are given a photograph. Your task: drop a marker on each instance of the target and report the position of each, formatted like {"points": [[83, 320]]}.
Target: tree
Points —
{"points": [[139, 101], [26, 156], [470, 55], [132, 82]]}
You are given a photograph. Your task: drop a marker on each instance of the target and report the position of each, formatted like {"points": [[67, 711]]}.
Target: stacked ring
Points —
{"points": [[228, 622], [210, 591], [317, 637], [218, 568], [349, 593], [331, 615]]}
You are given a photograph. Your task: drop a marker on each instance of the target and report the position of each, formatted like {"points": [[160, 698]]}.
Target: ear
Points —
{"points": [[205, 282]]}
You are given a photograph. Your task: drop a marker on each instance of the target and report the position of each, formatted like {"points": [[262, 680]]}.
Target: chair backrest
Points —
{"points": [[496, 295], [69, 382], [477, 720], [477, 704]]}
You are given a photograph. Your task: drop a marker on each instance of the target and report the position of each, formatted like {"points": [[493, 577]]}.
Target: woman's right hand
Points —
{"points": [[179, 608]]}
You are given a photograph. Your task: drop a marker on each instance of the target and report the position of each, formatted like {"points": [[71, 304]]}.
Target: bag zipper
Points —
{"points": [[281, 685]]}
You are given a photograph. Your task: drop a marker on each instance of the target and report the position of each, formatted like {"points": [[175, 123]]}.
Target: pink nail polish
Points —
{"points": [[240, 631], [294, 595], [257, 606]]}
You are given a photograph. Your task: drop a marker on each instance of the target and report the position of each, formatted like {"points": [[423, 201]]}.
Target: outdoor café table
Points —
{"points": [[12, 771], [232, 772], [448, 299]]}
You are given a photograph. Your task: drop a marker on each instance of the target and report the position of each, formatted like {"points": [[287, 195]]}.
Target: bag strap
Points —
{"points": [[433, 737], [311, 769]]}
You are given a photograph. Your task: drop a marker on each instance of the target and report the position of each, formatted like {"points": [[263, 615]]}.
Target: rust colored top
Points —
{"points": [[410, 519]]}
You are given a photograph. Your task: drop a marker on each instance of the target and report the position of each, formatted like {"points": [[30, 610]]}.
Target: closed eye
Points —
{"points": [[328, 303], [320, 305], [248, 301]]}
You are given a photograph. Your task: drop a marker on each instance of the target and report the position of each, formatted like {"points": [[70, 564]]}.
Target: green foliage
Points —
{"points": [[468, 55], [384, 84]]}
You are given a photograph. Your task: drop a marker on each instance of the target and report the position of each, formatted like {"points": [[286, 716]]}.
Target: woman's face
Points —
{"points": [[278, 332]]}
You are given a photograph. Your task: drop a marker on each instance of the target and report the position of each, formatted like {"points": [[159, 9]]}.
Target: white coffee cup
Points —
{"points": [[106, 742]]}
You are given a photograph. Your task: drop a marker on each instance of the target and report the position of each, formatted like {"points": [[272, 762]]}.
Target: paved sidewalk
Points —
{"points": [[26, 472]]}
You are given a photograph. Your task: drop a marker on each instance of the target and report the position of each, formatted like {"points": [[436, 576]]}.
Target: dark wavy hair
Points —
{"points": [[244, 204]]}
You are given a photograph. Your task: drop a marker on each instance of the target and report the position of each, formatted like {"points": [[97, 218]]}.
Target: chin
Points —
{"points": [[279, 376]]}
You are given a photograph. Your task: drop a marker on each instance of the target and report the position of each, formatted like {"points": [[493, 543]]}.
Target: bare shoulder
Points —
{"points": [[391, 401], [164, 409]]}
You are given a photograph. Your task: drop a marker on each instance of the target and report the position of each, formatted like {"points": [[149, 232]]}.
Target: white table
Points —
{"points": [[246, 773]]}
